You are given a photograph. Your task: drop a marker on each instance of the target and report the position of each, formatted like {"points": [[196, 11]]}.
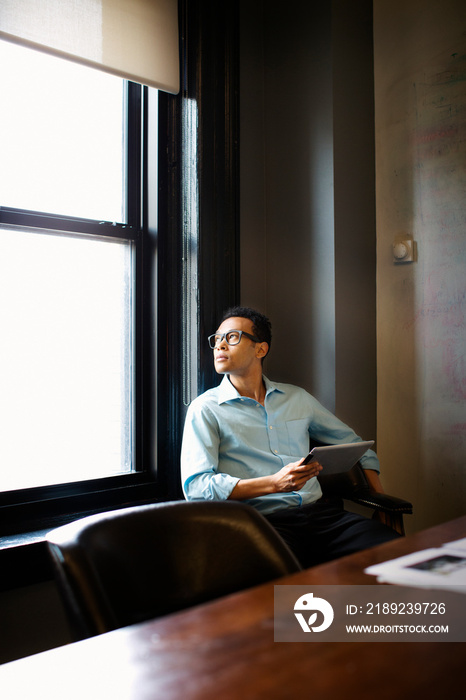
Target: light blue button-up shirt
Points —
{"points": [[228, 437]]}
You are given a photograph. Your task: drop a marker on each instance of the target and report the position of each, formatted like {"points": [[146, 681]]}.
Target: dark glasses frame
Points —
{"points": [[217, 338]]}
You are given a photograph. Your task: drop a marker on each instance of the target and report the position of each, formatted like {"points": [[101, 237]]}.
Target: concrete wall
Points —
{"points": [[308, 234], [420, 89]]}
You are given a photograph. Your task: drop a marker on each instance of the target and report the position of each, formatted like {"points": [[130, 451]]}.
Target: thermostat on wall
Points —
{"points": [[403, 251]]}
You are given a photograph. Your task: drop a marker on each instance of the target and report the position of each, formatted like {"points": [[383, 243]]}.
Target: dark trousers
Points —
{"points": [[322, 531]]}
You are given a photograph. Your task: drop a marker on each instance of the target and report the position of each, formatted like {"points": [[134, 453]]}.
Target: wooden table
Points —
{"points": [[225, 650]]}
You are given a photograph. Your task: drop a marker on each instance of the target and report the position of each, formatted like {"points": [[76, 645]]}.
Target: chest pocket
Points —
{"points": [[298, 437]]}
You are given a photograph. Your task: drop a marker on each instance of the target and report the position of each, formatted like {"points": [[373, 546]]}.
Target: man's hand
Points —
{"points": [[289, 478], [295, 475]]}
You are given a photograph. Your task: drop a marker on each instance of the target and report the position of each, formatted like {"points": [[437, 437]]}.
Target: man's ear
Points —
{"points": [[262, 350]]}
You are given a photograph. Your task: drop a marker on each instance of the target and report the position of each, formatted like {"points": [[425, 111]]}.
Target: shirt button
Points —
{"points": [[271, 427], [276, 452]]}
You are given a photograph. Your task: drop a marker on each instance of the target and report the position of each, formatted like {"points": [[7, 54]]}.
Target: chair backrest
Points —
{"points": [[344, 484], [121, 567]]}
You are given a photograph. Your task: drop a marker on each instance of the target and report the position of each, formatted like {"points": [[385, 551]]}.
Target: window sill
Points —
{"points": [[24, 558]]}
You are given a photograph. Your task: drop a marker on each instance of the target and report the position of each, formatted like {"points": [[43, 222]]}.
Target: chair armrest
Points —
{"points": [[381, 501], [353, 486]]}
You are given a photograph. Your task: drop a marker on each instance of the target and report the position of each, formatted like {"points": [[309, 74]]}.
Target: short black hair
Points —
{"points": [[261, 325]]}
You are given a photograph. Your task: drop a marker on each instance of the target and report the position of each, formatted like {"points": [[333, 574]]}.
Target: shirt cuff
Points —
{"points": [[209, 487]]}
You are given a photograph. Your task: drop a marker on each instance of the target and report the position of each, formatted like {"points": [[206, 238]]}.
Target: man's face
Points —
{"points": [[238, 359]]}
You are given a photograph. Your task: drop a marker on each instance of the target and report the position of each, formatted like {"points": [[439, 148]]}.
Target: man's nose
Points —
{"points": [[222, 343]]}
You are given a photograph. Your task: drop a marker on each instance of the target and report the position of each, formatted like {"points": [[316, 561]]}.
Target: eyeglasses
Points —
{"points": [[232, 338]]}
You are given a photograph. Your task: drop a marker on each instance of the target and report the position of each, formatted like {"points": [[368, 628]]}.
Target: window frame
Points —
{"points": [[36, 507]]}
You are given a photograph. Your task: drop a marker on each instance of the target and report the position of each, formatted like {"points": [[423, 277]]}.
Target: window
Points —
{"points": [[62, 136], [147, 240], [71, 246], [66, 365]]}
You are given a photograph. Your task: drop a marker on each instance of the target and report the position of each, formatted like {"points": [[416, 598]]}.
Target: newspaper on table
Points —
{"points": [[440, 567]]}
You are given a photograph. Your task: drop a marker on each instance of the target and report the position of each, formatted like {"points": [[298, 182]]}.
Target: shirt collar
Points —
{"points": [[227, 392]]}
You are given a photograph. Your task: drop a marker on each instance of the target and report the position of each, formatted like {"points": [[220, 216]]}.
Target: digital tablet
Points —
{"points": [[338, 458]]}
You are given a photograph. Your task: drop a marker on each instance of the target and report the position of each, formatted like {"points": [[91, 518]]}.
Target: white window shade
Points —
{"points": [[134, 39]]}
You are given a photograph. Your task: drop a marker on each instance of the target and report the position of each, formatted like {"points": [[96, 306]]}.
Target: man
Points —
{"points": [[246, 440]]}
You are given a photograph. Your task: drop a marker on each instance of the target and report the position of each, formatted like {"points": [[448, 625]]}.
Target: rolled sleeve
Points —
{"points": [[209, 487]]}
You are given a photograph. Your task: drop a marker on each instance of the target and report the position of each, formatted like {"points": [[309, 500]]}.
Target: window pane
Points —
{"points": [[66, 320], [61, 136]]}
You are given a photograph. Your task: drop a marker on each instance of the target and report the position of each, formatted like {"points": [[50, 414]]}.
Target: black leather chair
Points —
{"points": [[353, 486], [122, 567]]}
